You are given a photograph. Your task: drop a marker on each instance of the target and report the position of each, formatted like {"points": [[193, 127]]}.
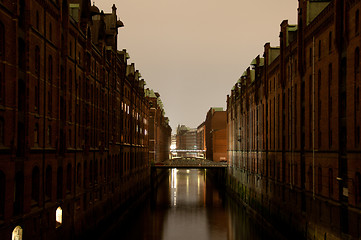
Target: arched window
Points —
{"points": [[59, 217], [35, 185], [59, 186], [48, 182], [2, 194], [17, 233]]}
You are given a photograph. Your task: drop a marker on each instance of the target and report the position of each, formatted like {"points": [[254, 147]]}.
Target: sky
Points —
{"points": [[193, 51]]}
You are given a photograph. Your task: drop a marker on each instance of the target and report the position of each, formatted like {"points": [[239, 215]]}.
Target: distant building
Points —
{"points": [[201, 136], [186, 139], [215, 135], [159, 129]]}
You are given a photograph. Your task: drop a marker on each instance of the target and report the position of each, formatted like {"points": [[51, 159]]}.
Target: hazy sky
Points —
{"points": [[193, 51]]}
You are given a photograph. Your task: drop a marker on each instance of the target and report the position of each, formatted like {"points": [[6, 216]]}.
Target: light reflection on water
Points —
{"points": [[188, 206]]}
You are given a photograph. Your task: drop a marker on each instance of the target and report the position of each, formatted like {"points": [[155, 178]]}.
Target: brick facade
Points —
{"points": [[159, 130], [293, 122], [74, 119]]}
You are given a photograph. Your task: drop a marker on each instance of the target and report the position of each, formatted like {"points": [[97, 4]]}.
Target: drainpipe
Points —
{"points": [[290, 115], [313, 117]]}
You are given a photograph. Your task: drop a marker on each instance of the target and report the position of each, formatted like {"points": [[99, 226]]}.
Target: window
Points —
{"points": [[50, 32], [2, 194], [22, 54], [319, 50], [310, 178], [319, 180], [330, 182], [17, 233], [59, 217], [2, 133], [48, 183], [358, 188], [70, 138], [357, 22], [50, 78], [2, 40], [37, 20], [78, 175], [68, 177], [319, 109], [37, 73], [18, 193], [35, 185], [330, 41], [358, 98], [36, 134], [85, 174], [357, 61], [59, 186], [48, 132]]}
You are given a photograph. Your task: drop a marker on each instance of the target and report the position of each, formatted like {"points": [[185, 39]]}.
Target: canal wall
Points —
{"points": [[279, 207], [116, 207]]}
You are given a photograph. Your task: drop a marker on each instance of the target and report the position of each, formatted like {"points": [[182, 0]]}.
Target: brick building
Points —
{"points": [[293, 121], [73, 119], [159, 130], [186, 139], [201, 136], [215, 134]]}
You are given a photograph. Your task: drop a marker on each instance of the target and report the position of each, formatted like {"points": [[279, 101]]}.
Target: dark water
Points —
{"points": [[188, 206]]}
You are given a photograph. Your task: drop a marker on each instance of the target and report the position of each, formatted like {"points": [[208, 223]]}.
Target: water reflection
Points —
{"points": [[188, 206]]}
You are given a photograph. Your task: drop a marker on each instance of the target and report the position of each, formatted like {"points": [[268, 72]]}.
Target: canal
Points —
{"points": [[188, 205]]}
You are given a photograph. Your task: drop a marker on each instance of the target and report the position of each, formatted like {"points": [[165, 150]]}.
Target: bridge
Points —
{"points": [[190, 163]]}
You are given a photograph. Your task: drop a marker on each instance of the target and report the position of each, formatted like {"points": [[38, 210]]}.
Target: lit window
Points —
{"points": [[17, 233], [59, 216]]}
